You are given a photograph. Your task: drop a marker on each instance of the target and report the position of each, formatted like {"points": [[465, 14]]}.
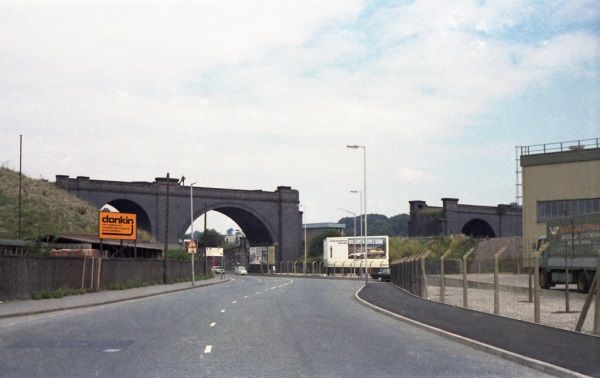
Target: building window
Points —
{"points": [[556, 209]]}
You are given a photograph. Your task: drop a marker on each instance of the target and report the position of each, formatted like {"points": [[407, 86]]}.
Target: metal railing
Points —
{"points": [[560, 146]]}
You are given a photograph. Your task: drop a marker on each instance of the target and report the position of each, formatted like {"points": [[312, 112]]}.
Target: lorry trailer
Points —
{"points": [[572, 255]]}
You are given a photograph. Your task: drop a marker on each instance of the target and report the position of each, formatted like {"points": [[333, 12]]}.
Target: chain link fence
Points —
{"points": [[498, 285]]}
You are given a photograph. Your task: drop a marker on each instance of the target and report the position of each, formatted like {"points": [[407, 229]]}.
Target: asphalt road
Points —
{"points": [[251, 326]]}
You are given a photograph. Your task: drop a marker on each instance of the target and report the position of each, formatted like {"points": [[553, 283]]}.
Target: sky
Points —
{"points": [[266, 93]]}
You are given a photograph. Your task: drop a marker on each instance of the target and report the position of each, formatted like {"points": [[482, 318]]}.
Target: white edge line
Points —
{"points": [[208, 349]]}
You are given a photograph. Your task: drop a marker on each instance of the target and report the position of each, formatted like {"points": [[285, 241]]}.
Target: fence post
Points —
{"points": [[496, 281], [407, 274], [465, 282], [83, 275], [416, 280], [92, 274], [99, 271], [424, 292], [597, 310], [442, 279], [536, 282]]}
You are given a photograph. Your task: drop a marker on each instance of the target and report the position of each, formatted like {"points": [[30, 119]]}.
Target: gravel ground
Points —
{"points": [[514, 300]]}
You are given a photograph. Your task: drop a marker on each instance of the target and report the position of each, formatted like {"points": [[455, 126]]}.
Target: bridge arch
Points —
{"points": [[478, 228], [257, 230], [131, 207]]}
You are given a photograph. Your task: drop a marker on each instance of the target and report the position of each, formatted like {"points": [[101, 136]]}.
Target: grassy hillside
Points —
{"points": [[45, 209]]}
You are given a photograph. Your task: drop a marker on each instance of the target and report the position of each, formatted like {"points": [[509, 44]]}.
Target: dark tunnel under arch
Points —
{"points": [[478, 229], [127, 206], [256, 231]]}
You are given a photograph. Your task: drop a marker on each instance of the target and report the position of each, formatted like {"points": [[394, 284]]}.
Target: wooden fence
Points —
{"points": [[21, 276]]}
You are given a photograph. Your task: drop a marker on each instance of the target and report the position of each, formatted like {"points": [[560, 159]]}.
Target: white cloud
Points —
{"points": [[258, 94]]}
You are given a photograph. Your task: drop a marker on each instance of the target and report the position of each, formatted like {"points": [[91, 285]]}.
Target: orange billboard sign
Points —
{"points": [[117, 225]]}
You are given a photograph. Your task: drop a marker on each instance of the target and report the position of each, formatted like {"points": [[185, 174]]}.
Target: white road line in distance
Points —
{"points": [[208, 349], [213, 324]]}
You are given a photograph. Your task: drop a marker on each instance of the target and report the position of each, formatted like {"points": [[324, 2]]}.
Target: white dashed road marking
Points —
{"points": [[208, 349]]}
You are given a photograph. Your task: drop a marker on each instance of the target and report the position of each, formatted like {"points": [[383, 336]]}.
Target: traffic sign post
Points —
{"points": [[192, 247]]}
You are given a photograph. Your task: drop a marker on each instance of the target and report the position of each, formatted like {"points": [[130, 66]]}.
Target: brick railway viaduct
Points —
{"points": [[266, 218], [471, 220]]}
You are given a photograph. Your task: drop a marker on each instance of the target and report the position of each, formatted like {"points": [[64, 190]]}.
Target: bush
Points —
{"points": [[58, 293], [179, 254], [129, 284], [402, 247]]}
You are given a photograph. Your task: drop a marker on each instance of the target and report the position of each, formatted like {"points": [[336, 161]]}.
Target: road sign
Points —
{"points": [[117, 225], [192, 246]]}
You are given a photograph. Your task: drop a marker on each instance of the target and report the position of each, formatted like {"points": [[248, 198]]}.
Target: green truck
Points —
{"points": [[573, 251]]}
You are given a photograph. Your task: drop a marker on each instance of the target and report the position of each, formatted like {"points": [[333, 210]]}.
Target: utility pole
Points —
{"points": [[20, 178], [166, 252]]}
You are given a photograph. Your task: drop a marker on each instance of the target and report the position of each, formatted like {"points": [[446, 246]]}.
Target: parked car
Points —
{"points": [[217, 269], [240, 270], [382, 275]]}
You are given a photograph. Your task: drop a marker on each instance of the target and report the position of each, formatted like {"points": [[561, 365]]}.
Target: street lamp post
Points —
{"points": [[365, 198], [192, 226], [361, 213], [305, 250]]}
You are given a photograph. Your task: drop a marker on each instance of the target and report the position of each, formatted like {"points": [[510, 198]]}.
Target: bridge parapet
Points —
{"points": [[492, 210], [283, 193]]}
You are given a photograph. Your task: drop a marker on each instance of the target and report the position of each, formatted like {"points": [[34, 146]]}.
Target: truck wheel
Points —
{"points": [[544, 280], [583, 282]]}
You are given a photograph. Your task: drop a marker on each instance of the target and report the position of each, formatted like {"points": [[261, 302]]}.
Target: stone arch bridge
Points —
{"points": [[471, 220], [266, 218]]}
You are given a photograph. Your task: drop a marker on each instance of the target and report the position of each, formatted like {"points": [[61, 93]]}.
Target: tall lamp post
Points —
{"points": [[361, 220], [305, 250], [365, 198], [192, 225]]}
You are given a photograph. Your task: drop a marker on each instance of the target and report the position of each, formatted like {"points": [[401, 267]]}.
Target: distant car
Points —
{"points": [[217, 269], [240, 270], [382, 275]]}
